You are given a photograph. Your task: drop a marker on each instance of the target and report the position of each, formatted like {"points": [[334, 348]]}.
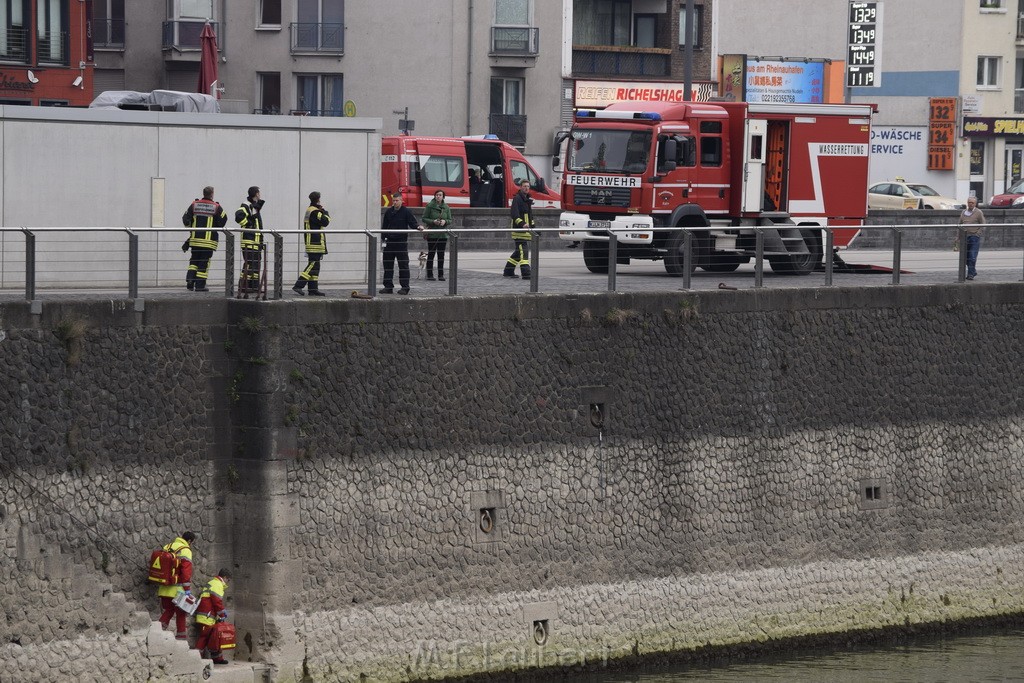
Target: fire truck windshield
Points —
{"points": [[609, 151]]}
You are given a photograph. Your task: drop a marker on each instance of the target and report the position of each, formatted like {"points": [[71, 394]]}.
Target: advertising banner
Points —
{"points": [[785, 81]]}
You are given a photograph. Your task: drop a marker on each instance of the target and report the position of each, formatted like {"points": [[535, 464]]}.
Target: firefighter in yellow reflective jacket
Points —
{"points": [[522, 223], [249, 219], [182, 549], [315, 221], [210, 610], [202, 216]]}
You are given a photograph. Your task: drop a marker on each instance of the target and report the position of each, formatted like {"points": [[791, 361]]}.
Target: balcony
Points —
{"points": [[325, 39], [183, 35], [515, 41], [612, 60], [52, 48], [316, 112], [108, 34], [509, 127], [14, 48]]}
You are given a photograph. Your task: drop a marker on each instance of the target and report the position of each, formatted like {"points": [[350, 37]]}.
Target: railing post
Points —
{"points": [[278, 266], [534, 270], [829, 256], [453, 265], [961, 240], [133, 264], [229, 264], [371, 264], [758, 257], [687, 258], [613, 259], [897, 254], [30, 265]]}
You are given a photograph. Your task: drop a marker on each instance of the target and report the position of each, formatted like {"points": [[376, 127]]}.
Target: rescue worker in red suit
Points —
{"points": [[211, 610], [250, 220], [201, 217], [182, 549]]}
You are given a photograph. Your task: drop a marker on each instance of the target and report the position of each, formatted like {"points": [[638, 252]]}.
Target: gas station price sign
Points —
{"points": [[863, 45]]}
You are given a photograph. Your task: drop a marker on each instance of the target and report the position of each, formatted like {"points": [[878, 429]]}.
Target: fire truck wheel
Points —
{"points": [[675, 258], [800, 264], [595, 256], [721, 262]]}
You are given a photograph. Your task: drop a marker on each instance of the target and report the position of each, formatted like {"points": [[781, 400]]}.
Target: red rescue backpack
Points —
{"points": [[222, 637], [163, 567]]}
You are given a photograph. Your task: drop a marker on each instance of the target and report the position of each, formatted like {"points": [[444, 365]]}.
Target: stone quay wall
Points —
{"points": [[414, 490]]}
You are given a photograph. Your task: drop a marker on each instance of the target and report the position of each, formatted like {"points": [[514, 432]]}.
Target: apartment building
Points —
{"points": [[970, 50], [45, 54]]}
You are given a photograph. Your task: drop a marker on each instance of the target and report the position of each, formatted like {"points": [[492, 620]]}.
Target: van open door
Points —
{"points": [[440, 165], [753, 165]]}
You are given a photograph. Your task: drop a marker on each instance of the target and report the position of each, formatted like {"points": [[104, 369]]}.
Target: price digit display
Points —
{"points": [[863, 43], [940, 158]]}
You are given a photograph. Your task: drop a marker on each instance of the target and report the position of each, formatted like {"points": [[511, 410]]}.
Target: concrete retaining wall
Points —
{"points": [[416, 489]]}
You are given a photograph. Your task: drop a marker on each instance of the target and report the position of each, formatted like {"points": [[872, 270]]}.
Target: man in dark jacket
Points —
{"points": [[316, 220], [522, 223], [201, 216], [396, 244]]}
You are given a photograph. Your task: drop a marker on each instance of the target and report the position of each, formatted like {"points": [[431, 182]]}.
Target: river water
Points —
{"points": [[985, 655]]}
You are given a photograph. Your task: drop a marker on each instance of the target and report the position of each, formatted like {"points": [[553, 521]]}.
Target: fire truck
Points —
{"points": [[473, 171], [736, 169]]}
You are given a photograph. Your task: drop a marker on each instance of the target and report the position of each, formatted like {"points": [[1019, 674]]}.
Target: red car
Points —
{"points": [[1013, 196]]}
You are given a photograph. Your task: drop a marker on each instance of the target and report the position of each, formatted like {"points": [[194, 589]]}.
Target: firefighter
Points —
{"points": [[249, 219], [522, 223], [315, 221], [182, 549], [211, 611], [201, 216]]}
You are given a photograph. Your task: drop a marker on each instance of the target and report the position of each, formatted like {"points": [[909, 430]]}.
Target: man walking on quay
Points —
{"points": [[250, 220], [202, 216], [315, 221], [396, 244], [522, 223], [973, 221], [182, 549]]}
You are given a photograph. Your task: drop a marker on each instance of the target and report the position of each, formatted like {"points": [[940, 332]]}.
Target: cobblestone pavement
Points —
{"points": [[563, 272]]}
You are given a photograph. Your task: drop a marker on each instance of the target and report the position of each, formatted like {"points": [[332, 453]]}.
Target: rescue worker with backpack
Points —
{"points": [[315, 220], [171, 568], [250, 220], [210, 616], [201, 216]]}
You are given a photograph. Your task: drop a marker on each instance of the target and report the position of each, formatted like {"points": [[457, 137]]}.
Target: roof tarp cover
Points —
{"points": [[181, 101]]}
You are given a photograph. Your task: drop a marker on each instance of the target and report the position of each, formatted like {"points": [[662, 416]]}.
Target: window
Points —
{"points": [[190, 9], [108, 23], [269, 93], [645, 30], [602, 22], [13, 36], [991, 4], [320, 94], [520, 170], [512, 12], [506, 96], [441, 171], [270, 13], [321, 25], [51, 31], [988, 72], [697, 32]]}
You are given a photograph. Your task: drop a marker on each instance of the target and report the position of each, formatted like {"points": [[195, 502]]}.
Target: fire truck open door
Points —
{"points": [[753, 164]]}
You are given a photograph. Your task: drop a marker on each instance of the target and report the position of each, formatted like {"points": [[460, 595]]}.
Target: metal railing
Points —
{"points": [[15, 47], [125, 257], [184, 34], [612, 61], [108, 34], [319, 38], [509, 127], [515, 40]]}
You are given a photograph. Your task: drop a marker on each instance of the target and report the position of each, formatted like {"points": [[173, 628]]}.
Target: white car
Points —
{"points": [[899, 194]]}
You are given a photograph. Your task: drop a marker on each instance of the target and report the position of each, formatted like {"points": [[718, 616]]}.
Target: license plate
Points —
{"points": [[599, 225]]}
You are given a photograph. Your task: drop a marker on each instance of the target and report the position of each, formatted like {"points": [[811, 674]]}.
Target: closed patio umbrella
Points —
{"points": [[208, 61]]}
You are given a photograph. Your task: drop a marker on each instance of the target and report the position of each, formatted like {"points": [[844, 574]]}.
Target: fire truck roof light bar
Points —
{"points": [[620, 115]]}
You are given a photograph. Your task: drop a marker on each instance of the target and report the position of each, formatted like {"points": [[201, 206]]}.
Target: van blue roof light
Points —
{"points": [[586, 113], [648, 115]]}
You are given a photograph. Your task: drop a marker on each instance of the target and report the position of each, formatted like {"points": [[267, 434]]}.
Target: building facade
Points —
{"points": [[45, 53]]}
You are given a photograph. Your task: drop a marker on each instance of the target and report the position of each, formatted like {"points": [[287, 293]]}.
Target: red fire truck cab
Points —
{"points": [[731, 167], [420, 166]]}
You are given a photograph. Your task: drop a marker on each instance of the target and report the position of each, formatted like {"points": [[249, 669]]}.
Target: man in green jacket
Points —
{"points": [[437, 215]]}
